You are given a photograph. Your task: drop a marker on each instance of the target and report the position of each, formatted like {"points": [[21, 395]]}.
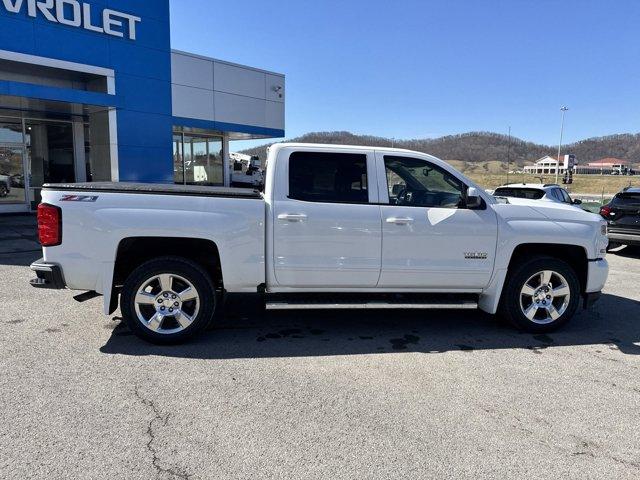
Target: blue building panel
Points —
{"points": [[70, 44], [28, 90], [141, 129], [16, 35], [131, 58], [147, 164], [137, 48], [228, 127], [144, 94]]}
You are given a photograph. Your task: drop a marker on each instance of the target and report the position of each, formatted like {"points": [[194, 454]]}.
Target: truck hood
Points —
{"points": [[555, 211]]}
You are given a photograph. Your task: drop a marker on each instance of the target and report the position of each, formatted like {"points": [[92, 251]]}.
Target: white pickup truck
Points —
{"points": [[337, 227]]}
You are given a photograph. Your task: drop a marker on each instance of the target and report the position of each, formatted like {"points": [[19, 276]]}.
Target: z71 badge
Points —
{"points": [[476, 255]]}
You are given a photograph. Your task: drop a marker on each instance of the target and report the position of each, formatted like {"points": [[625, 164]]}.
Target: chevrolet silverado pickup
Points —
{"points": [[337, 227]]}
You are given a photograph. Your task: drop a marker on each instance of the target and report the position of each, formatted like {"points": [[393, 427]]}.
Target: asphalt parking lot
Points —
{"points": [[317, 395]]}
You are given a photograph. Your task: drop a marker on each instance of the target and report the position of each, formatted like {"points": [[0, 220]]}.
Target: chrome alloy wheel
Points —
{"points": [[545, 297], [167, 303]]}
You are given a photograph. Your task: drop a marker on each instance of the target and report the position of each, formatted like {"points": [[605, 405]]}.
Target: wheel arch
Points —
{"points": [[574, 255], [134, 251]]}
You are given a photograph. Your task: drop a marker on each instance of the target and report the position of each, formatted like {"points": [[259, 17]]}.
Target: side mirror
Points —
{"points": [[577, 202], [473, 199]]}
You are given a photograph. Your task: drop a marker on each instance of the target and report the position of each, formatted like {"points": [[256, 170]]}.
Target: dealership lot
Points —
{"points": [[316, 395]]}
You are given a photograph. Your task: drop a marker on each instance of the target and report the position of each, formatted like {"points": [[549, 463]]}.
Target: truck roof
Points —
{"points": [[342, 147]]}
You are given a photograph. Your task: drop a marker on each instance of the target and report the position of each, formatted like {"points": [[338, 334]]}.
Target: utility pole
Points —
{"points": [[563, 110], [509, 155]]}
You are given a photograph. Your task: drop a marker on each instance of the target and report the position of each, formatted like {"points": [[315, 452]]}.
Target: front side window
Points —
{"points": [[417, 183], [328, 177], [557, 194]]}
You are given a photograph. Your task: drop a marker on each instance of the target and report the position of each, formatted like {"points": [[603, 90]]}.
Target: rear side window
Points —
{"points": [[624, 199], [328, 177], [529, 193]]}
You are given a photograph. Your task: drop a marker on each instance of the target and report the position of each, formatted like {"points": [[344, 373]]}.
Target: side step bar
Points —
{"points": [[373, 305]]}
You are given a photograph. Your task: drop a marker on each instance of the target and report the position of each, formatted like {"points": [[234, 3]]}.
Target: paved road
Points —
{"points": [[315, 395]]}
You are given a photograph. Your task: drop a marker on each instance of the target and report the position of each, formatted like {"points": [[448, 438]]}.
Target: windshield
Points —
{"points": [[529, 193]]}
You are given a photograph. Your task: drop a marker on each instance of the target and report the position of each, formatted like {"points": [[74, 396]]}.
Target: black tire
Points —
{"points": [[180, 267], [511, 309], [4, 191]]}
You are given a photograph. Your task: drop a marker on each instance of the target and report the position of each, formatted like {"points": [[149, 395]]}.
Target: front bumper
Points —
{"points": [[49, 275], [597, 275]]}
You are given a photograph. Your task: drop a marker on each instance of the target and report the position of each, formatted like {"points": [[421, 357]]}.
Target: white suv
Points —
{"points": [[549, 192]]}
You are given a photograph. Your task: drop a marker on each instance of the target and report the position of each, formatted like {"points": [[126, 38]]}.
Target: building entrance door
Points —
{"points": [[50, 152]]}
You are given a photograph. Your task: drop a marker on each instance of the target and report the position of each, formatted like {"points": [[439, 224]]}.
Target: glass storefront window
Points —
{"points": [[87, 152], [195, 169], [35, 151], [178, 164], [198, 160], [216, 162], [12, 188], [50, 155], [11, 131]]}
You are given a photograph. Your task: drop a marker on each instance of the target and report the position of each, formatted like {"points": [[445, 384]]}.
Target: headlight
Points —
{"points": [[604, 228]]}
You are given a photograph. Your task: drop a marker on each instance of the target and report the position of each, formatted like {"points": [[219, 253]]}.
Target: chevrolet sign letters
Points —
{"points": [[77, 14]]}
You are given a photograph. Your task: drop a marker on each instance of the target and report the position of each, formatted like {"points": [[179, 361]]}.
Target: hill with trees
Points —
{"points": [[485, 150]]}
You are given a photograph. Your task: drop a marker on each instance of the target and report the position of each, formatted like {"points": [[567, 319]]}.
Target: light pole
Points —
{"points": [[509, 155], [563, 110]]}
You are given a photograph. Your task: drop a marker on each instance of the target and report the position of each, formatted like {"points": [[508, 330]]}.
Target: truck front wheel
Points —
{"points": [[168, 300], [540, 295]]}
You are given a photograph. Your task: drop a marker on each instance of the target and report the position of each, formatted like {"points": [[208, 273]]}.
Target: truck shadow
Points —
{"points": [[614, 323]]}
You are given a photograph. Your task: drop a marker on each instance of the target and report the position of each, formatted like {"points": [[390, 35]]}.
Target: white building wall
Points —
{"points": [[218, 91]]}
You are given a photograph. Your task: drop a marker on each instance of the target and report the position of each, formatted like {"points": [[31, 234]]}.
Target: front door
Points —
{"points": [[430, 239], [326, 224]]}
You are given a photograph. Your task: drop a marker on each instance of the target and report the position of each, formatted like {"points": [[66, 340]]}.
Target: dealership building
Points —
{"points": [[92, 91]]}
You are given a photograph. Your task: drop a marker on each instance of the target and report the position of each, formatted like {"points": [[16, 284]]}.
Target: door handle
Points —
{"points": [[400, 220], [292, 217]]}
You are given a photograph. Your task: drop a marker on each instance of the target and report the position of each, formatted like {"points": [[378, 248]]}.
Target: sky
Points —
{"points": [[418, 69]]}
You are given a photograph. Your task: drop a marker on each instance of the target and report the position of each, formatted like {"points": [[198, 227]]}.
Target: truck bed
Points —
{"points": [[156, 189]]}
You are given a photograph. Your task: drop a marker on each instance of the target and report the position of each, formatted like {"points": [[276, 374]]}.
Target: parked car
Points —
{"points": [[5, 186], [338, 227], [623, 216], [549, 192]]}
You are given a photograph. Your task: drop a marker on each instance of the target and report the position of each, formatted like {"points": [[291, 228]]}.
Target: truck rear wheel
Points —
{"points": [[540, 295], [168, 300]]}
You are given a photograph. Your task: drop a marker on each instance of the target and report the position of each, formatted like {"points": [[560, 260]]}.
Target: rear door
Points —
{"points": [[625, 213], [430, 240], [326, 221]]}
